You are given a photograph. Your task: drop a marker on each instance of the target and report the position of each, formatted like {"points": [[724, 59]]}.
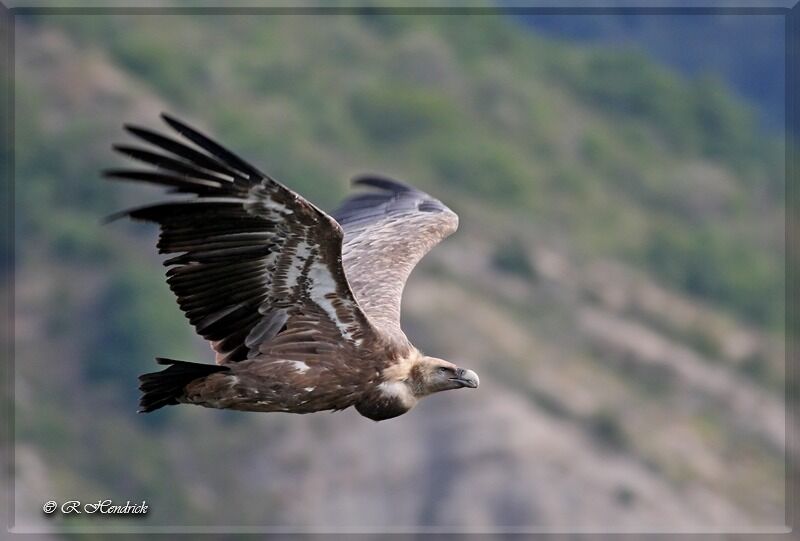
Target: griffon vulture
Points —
{"points": [[301, 308]]}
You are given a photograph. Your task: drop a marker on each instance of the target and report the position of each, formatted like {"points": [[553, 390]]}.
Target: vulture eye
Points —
{"points": [[443, 370]]}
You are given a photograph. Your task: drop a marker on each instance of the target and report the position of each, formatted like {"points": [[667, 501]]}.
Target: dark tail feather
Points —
{"points": [[163, 388]]}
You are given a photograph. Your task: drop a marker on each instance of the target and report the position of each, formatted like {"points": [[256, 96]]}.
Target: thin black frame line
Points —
{"points": [[792, 128]]}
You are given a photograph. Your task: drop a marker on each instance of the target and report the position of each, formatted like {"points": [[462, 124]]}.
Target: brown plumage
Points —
{"points": [[301, 309]]}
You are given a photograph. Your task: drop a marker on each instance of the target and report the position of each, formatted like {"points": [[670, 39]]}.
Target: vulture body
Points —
{"points": [[301, 309]]}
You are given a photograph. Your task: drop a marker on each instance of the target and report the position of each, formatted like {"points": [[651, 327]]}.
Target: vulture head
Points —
{"points": [[413, 378], [430, 375]]}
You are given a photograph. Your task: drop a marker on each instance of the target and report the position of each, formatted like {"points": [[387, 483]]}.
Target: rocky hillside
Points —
{"points": [[617, 280]]}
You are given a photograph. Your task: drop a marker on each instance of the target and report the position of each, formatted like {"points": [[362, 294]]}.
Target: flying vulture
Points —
{"points": [[301, 308]]}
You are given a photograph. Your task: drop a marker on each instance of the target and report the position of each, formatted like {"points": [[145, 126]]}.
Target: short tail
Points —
{"points": [[163, 388]]}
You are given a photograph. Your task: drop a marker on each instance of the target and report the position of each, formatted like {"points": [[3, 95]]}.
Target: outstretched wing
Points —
{"points": [[258, 267], [386, 233]]}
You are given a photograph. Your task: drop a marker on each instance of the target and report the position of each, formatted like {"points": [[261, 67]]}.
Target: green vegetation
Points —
{"points": [[395, 115], [599, 152], [475, 113], [512, 257], [141, 320], [714, 265]]}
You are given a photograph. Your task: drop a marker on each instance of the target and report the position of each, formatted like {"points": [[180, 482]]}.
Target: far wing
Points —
{"points": [[386, 233], [258, 267]]}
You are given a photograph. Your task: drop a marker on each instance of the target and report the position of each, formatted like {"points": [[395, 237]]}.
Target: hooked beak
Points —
{"points": [[467, 378]]}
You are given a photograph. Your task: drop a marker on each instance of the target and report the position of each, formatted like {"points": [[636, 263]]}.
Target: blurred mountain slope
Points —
{"points": [[617, 280], [745, 50]]}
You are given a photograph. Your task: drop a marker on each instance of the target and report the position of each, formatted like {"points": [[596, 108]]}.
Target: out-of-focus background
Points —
{"points": [[617, 280]]}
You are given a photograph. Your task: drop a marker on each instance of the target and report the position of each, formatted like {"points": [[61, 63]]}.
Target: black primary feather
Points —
{"points": [[383, 182], [181, 150], [212, 147]]}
